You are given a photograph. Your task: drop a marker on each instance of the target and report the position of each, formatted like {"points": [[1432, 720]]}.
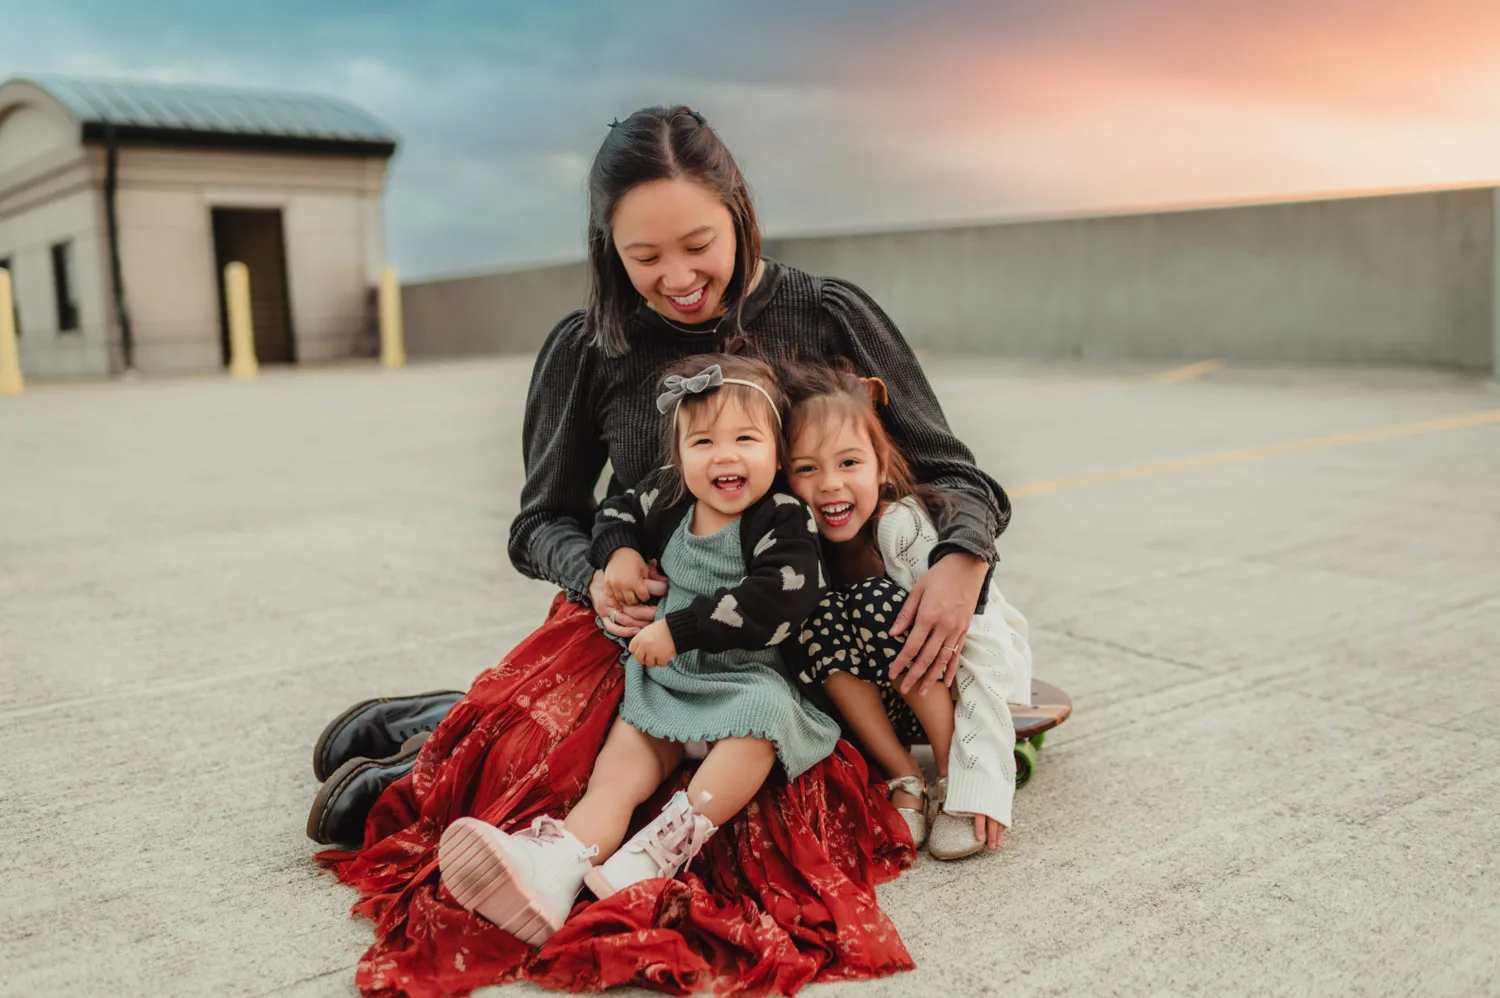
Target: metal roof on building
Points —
{"points": [[208, 115]]}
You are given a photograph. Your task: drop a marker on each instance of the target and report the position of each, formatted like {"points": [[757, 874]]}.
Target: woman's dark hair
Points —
{"points": [[659, 143], [833, 394]]}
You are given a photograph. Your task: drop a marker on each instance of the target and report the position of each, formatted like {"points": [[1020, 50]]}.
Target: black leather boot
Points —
{"points": [[376, 729], [343, 803]]}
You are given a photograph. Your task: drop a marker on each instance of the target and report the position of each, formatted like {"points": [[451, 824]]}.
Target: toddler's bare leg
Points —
{"points": [[630, 767], [733, 771]]}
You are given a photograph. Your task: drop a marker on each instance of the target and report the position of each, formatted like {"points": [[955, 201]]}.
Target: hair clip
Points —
{"points": [[677, 386]]}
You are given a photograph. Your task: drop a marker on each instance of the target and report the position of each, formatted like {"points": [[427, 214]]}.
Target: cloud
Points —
{"points": [[845, 114], [1091, 105]]}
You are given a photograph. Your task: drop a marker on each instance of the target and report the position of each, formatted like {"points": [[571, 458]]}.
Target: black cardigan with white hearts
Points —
{"points": [[784, 578]]}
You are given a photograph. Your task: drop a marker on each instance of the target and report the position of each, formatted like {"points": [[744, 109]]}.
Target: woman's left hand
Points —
{"points": [[938, 612], [989, 831], [625, 621]]}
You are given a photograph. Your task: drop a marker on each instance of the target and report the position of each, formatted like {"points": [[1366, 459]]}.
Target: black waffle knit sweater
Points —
{"points": [[585, 408]]}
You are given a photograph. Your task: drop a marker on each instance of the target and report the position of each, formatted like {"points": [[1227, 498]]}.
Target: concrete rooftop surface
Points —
{"points": [[1273, 593]]}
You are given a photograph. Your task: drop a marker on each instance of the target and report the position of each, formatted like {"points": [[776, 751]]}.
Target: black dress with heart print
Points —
{"points": [[851, 632]]}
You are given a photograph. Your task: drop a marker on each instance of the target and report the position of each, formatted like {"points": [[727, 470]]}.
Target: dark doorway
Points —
{"points": [[253, 236]]}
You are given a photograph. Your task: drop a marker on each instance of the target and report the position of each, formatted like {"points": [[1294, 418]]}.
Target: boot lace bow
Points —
{"points": [[548, 829], [681, 836]]}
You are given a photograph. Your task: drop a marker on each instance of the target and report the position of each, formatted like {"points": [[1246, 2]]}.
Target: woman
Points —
{"points": [[784, 894]]}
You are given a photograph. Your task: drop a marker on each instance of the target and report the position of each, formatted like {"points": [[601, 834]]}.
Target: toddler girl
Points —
{"points": [[741, 556], [878, 533]]}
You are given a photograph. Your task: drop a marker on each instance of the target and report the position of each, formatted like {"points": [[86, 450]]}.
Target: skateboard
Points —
{"points": [[1049, 707]]}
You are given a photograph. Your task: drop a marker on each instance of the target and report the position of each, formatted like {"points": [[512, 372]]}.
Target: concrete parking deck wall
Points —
{"points": [[1405, 278], [508, 312], [1397, 278]]}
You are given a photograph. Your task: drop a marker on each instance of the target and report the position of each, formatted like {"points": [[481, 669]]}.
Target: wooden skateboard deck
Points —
{"points": [[1050, 707]]}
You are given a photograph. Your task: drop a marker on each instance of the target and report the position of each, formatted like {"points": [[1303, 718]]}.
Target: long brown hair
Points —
{"points": [[660, 143], [835, 395], [733, 365]]}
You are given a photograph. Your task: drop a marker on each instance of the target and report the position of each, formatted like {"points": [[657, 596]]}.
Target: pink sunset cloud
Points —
{"points": [[1145, 103]]}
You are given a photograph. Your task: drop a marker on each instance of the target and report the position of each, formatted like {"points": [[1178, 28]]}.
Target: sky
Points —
{"points": [[846, 115]]}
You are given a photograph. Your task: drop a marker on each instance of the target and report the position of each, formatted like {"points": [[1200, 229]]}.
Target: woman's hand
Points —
{"points": [[938, 612], [625, 622], [654, 645], [989, 831]]}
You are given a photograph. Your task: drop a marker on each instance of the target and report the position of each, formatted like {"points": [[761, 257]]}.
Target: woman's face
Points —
{"points": [[678, 245]]}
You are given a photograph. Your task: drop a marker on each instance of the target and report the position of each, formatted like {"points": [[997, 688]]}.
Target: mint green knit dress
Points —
{"points": [[705, 696]]}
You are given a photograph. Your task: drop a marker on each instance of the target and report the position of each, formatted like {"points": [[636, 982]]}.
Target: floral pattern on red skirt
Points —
{"points": [[784, 895]]}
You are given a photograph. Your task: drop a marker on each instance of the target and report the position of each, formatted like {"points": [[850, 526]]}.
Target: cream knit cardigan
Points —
{"points": [[994, 669]]}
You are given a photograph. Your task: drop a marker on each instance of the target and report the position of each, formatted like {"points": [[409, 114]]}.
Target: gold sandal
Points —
{"points": [[916, 817], [950, 836]]}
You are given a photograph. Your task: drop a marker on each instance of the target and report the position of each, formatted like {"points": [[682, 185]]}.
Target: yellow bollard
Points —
{"points": [[392, 341], [11, 382], [242, 362]]}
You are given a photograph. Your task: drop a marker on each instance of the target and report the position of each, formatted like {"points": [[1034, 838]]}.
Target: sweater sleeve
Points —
{"points": [[906, 538], [982, 765], [980, 509], [631, 520], [564, 452], [783, 583], [620, 524]]}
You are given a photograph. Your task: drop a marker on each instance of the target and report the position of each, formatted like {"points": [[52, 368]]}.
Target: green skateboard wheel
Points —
{"points": [[1038, 738], [1025, 762]]}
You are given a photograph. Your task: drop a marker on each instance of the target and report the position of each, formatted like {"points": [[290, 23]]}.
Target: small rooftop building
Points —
{"points": [[120, 204]]}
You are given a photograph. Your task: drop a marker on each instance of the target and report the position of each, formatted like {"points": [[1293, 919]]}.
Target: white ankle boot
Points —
{"points": [[660, 849], [524, 883]]}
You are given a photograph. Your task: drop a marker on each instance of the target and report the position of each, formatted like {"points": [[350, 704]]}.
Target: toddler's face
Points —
{"points": [[728, 455], [833, 470]]}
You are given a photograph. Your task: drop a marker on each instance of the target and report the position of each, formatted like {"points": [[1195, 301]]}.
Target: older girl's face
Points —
{"points": [[834, 470], [678, 245]]}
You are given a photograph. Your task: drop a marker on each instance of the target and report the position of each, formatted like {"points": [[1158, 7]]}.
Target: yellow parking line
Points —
{"points": [[1479, 418], [1189, 371]]}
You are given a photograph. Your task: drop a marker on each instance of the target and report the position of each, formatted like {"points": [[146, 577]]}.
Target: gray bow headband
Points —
{"points": [[710, 377]]}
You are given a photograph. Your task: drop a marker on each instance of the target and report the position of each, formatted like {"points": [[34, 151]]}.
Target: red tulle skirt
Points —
{"points": [[782, 896]]}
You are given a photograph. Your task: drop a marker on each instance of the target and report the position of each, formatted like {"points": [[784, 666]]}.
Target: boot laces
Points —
{"points": [[544, 829], [680, 837], [548, 829]]}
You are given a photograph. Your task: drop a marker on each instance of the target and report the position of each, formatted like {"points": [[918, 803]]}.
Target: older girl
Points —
{"points": [[877, 527]]}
